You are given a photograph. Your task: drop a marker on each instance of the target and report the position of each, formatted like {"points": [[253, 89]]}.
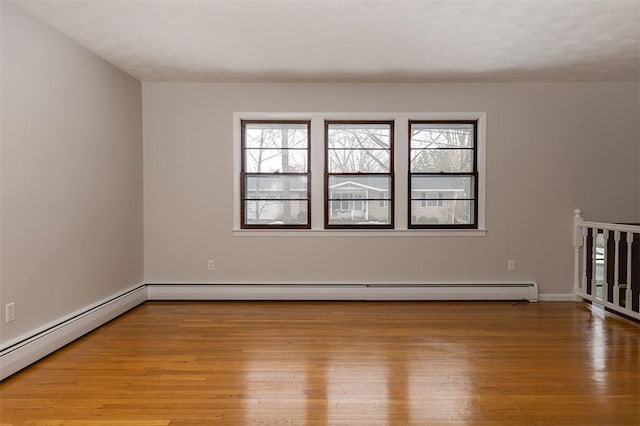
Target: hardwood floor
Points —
{"points": [[339, 363]]}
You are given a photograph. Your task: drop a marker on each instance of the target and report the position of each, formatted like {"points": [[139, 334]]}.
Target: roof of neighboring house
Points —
{"points": [[379, 184], [440, 184], [351, 183]]}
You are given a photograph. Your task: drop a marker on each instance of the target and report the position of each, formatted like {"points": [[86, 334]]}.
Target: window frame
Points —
{"points": [[474, 174], [400, 188], [390, 174], [244, 174]]}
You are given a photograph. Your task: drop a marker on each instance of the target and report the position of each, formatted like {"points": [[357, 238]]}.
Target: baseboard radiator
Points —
{"points": [[25, 350], [367, 292]]}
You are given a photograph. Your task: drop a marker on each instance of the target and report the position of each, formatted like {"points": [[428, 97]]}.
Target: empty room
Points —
{"points": [[319, 212]]}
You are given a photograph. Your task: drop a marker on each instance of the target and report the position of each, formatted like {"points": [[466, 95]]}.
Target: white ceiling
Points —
{"points": [[357, 40]]}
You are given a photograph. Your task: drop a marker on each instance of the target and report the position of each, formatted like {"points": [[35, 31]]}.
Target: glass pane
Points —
{"points": [[260, 212], [441, 160], [359, 136], [442, 136], [450, 212], [275, 160], [445, 186], [363, 161], [359, 212], [360, 186], [275, 135], [276, 187]]}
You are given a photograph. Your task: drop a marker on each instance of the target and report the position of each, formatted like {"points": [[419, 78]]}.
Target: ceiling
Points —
{"points": [[356, 40]]}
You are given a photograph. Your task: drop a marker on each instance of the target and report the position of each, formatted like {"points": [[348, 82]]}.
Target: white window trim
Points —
{"points": [[401, 160]]}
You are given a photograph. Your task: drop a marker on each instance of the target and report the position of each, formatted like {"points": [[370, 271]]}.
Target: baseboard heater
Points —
{"points": [[21, 352], [25, 350], [367, 292]]}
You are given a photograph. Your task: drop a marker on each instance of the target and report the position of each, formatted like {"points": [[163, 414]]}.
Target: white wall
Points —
{"points": [[71, 185], [551, 148]]}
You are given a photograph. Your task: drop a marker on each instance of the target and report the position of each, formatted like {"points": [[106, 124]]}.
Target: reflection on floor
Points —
{"points": [[339, 363]]}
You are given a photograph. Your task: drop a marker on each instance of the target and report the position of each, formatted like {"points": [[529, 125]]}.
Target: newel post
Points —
{"points": [[578, 243]]}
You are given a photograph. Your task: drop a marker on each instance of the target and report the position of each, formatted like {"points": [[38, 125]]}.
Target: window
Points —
{"points": [[384, 197], [334, 173], [443, 174], [359, 174], [432, 199], [275, 178], [348, 201]]}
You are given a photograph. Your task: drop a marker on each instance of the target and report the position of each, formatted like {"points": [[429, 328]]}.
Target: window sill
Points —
{"points": [[360, 233]]}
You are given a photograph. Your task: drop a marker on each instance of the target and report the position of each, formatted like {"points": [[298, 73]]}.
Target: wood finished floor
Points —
{"points": [[338, 363]]}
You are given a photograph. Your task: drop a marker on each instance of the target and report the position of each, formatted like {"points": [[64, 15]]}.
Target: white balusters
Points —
{"points": [[616, 272], [613, 258], [627, 297], [578, 244]]}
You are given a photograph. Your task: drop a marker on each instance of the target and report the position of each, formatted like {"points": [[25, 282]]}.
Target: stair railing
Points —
{"points": [[607, 265]]}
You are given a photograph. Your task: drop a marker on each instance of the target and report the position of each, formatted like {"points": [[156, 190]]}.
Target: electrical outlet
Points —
{"points": [[211, 265], [9, 312], [511, 265]]}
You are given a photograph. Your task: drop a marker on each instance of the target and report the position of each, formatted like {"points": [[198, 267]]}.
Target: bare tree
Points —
{"points": [[443, 150], [286, 185], [437, 152], [268, 151], [359, 150]]}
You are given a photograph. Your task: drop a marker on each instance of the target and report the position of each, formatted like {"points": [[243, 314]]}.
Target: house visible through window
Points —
{"points": [[432, 199], [384, 199], [443, 174], [275, 178], [359, 174]]}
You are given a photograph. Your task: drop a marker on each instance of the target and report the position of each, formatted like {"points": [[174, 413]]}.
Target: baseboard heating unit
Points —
{"points": [[27, 349], [24, 350], [370, 292]]}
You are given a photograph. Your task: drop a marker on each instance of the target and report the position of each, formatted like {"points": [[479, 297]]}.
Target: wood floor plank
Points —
{"points": [[338, 363]]}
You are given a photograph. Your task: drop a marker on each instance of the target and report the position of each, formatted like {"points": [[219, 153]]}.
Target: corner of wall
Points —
{"points": [[71, 175]]}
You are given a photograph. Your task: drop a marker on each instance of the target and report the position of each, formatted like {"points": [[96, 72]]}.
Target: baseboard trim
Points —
{"points": [[557, 297], [371, 292], [27, 349]]}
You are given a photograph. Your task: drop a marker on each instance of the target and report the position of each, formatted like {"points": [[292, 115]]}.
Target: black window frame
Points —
{"points": [[244, 175], [391, 174], [473, 174]]}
